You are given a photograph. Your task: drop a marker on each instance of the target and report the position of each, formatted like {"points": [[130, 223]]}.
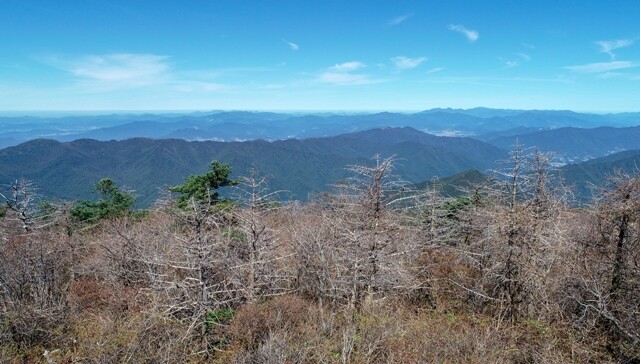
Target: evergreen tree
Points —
{"points": [[113, 202], [201, 189]]}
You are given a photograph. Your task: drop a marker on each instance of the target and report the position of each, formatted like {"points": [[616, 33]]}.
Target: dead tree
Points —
{"points": [[606, 280], [35, 268], [358, 250], [521, 222], [19, 202], [262, 268]]}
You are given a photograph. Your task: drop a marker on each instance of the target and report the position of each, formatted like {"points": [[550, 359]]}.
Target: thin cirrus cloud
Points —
{"points": [[512, 63], [120, 71], [116, 70], [343, 74], [293, 46], [405, 63], [435, 70], [472, 35], [608, 46], [348, 66], [601, 67], [399, 19]]}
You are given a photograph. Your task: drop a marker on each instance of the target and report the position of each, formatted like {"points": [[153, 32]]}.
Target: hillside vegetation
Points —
{"points": [[68, 170], [572, 144], [370, 272], [586, 176]]}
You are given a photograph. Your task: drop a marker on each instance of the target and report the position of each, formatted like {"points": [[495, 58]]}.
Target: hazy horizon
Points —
{"points": [[71, 113]]}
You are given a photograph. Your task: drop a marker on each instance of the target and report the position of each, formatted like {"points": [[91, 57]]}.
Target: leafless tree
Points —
{"points": [[204, 258], [521, 222], [356, 248], [35, 267], [263, 263], [20, 202], [607, 274]]}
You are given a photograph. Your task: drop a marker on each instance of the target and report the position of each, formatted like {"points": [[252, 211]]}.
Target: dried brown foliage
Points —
{"points": [[372, 273]]}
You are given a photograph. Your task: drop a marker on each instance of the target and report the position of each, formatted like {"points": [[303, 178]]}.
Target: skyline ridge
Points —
{"points": [[71, 113]]}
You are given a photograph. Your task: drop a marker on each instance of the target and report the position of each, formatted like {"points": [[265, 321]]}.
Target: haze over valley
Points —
{"points": [[302, 153]]}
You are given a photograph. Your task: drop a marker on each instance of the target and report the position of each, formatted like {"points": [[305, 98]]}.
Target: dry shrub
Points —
{"points": [[131, 338], [392, 333], [132, 291], [289, 329], [435, 271], [254, 323], [34, 276], [95, 295], [274, 350], [30, 330], [286, 329], [91, 294]]}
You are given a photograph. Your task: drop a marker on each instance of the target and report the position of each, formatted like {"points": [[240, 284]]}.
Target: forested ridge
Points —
{"points": [[301, 166], [376, 270]]}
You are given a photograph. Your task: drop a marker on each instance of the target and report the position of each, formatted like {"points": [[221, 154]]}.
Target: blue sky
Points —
{"points": [[319, 55]]}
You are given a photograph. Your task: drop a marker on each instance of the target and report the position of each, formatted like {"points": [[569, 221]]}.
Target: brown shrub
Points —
{"points": [[254, 322]]}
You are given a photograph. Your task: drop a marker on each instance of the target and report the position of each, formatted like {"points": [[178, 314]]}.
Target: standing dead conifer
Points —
{"points": [[605, 283], [357, 252]]}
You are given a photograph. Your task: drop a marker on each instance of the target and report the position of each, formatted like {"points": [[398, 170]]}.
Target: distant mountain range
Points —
{"points": [[69, 170], [572, 144], [482, 123], [303, 152], [584, 180], [584, 177]]}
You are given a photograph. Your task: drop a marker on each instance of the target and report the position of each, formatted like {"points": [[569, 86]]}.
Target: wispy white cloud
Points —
{"points": [[200, 86], [607, 75], [293, 46], [601, 67], [510, 63], [608, 46], [404, 63], [618, 75], [116, 70], [472, 35], [121, 71], [434, 70], [345, 74], [399, 19], [493, 80], [348, 66]]}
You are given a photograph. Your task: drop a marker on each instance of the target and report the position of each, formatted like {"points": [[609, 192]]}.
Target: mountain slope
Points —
{"points": [[577, 144], [583, 177], [244, 125], [69, 170], [457, 184]]}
